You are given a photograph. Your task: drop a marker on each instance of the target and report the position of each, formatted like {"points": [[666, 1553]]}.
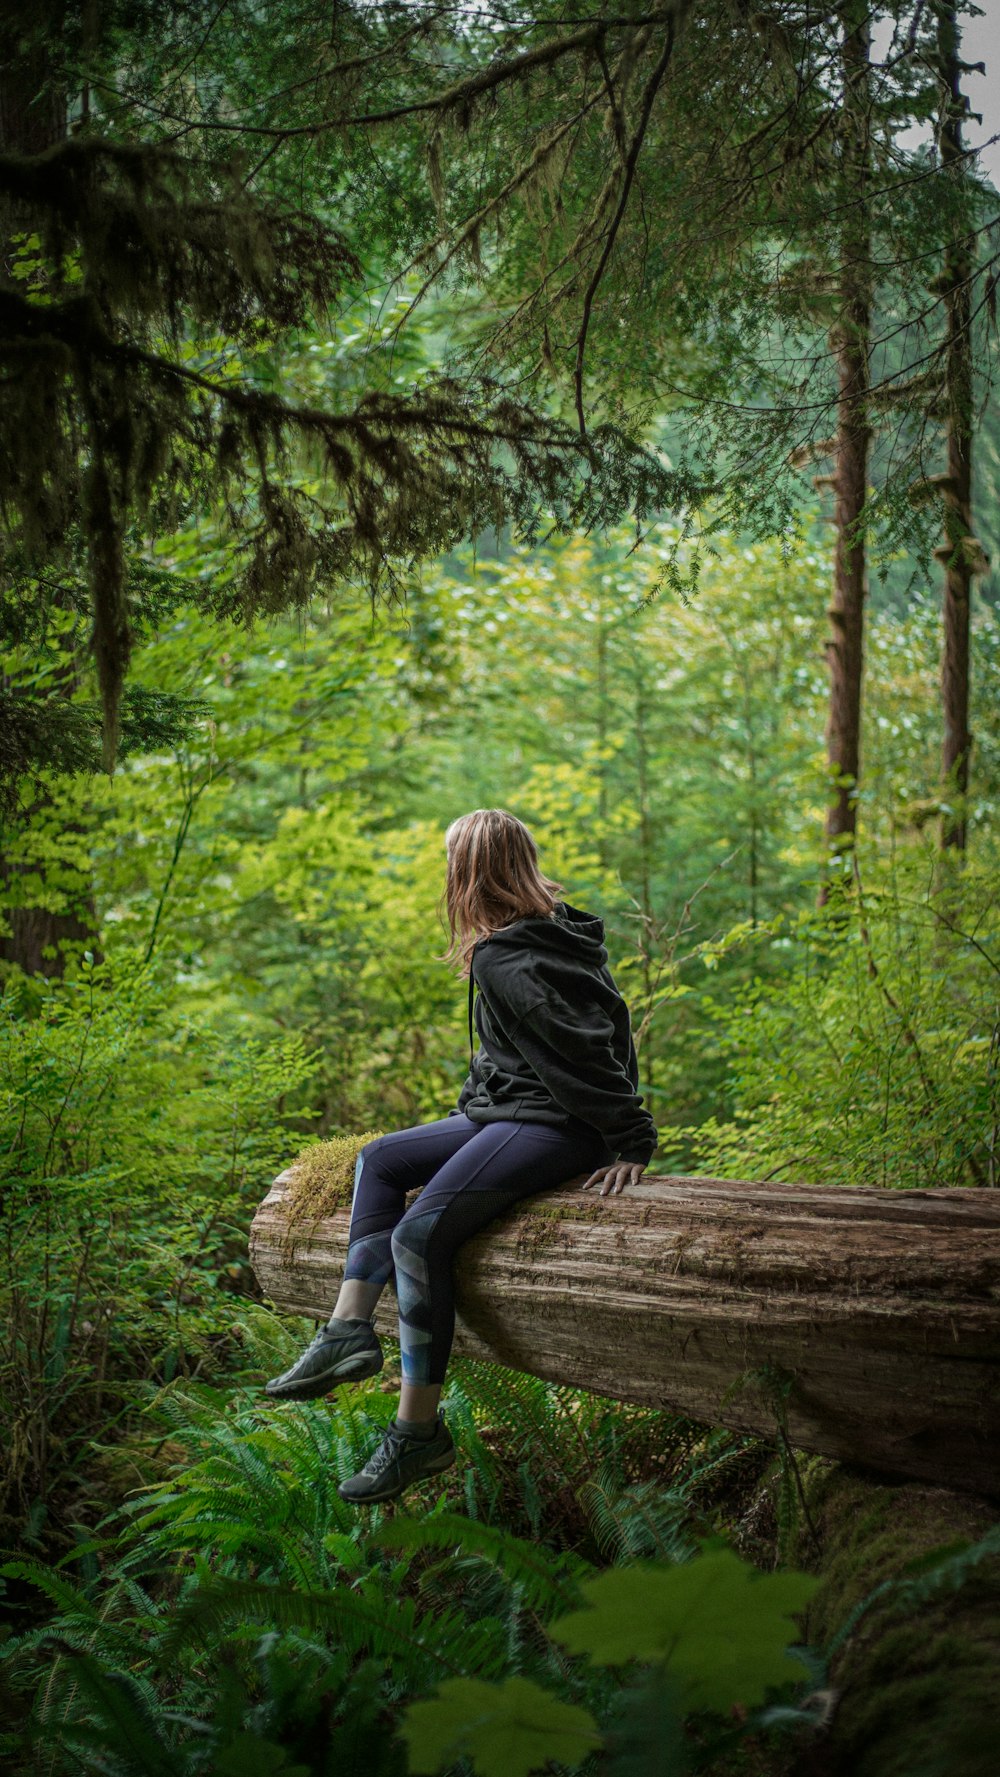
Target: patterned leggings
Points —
{"points": [[466, 1174]]}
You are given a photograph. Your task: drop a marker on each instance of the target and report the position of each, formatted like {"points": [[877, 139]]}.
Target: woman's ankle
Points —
{"points": [[416, 1428], [357, 1300], [418, 1404]]}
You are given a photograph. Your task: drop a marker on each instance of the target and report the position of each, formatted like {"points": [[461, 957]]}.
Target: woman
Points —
{"points": [[551, 1093]]}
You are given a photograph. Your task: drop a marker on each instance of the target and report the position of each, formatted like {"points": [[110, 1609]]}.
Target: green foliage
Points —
{"points": [[874, 1060], [191, 337], [240, 1610], [131, 1145], [217, 408], [281, 864], [259, 1488], [143, 329], [43, 734], [722, 1627], [647, 1736], [507, 1730], [276, 1701], [544, 1582], [715, 1631], [606, 1477], [237, 1606]]}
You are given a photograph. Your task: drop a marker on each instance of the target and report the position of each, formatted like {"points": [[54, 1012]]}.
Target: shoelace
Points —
{"points": [[386, 1453]]}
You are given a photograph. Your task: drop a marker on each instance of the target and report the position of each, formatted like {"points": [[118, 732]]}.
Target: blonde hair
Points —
{"points": [[493, 879]]}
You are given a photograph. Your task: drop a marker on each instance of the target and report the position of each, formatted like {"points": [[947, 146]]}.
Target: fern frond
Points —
{"points": [[59, 1592], [127, 1711], [384, 1626], [944, 1569], [531, 1497], [641, 1521], [546, 1581]]}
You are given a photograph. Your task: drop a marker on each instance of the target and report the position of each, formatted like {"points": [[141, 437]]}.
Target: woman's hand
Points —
{"points": [[613, 1179]]}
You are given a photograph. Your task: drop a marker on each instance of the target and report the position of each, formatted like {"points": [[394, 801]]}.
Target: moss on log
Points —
{"points": [[914, 1684]]}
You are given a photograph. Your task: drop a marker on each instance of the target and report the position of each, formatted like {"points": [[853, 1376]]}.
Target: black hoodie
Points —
{"points": [[555, 1035]]}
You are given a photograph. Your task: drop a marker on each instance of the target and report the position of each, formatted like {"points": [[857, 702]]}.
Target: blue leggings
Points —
{"points": [[465, 1174]]}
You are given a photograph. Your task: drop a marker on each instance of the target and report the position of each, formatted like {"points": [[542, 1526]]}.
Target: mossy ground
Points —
{"points": [[918, 1688], [915, 1690]]}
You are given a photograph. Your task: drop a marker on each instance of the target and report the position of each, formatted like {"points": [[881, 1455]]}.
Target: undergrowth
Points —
{"points": [[559, 1598], [232, 1612]]}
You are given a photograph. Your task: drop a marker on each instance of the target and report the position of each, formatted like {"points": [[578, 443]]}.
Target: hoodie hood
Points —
{"points": [[570, 932]]}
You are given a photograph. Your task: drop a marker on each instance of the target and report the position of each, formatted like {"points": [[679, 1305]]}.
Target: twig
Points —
{"points": [[652, 88]]}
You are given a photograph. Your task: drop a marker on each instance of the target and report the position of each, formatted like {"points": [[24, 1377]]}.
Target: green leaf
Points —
{"points": [[720, 1626], [506, 1729], [246, 1756]]}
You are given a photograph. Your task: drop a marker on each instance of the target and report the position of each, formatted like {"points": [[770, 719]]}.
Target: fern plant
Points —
{"points": [[221, 1614], [583, 1472]]}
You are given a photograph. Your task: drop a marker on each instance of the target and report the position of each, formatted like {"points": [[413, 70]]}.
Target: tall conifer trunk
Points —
{"points": [[957, 552], [850, 342], [32, 117]]}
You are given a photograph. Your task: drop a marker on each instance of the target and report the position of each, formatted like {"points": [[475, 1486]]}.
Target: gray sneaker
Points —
{"points": [[343, 1351], [397, 1463]]}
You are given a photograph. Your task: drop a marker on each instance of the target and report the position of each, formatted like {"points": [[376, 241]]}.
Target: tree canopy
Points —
{"points": [[630, 230]]}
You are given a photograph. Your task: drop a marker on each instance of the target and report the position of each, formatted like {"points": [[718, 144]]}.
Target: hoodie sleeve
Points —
{"points": [[572, 1053]]}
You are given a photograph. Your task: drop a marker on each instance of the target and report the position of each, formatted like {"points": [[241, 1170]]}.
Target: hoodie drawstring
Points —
{"points": [[471, 987]]}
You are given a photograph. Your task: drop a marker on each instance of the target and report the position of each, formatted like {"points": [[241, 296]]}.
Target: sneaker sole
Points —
{"points": [[436, 1468], [350, 1369]]}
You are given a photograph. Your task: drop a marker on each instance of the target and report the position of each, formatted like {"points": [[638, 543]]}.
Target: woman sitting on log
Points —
{"points": [[551, 1092]]}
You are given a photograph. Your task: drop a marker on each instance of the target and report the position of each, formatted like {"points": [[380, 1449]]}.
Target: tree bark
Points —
{"points": [[957, 552], [849, 340], [33, 116], [881, 1306]]}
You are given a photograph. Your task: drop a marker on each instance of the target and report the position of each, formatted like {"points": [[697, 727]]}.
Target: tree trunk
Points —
{"points": [[882, 1308], [849, 340], [959, 548], [33, 116]]}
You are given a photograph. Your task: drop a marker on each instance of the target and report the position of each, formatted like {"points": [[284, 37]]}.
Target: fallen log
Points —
{"points": [[863, 1324]]}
